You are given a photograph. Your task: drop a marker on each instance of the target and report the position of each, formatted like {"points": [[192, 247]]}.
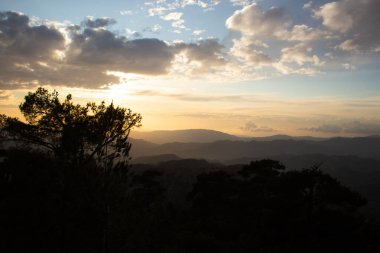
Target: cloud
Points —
{"points": [[22, 46], [126, 12], [325, 129], [160, 7], [299, 54], [98, 22], [206, 52], [348, 127], [154, 29], [252, 127], [253, 21], [133, 33], [4, 95], [102, 48], [348, 45], [198, 32], [269, 39], [241, 2], [175, 17], [358, 127], [19, 39], [356, 20], [308, 5], [172, 16], [217, 116], [246, 50], [156, 11], [262, 31], [189, 97], [86, 56]]}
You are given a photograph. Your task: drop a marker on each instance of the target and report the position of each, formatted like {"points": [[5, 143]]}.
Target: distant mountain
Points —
{"points": [[205, 135], [286, 137], [365, 147], [189, 135]]}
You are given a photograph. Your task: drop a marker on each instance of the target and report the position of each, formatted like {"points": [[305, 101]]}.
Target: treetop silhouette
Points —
{"points": [[73, 132]]}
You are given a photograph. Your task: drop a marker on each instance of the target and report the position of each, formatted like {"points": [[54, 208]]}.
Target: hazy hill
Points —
{"points": [[365, 147], [206, 135], [188, 135], [285, 137]]}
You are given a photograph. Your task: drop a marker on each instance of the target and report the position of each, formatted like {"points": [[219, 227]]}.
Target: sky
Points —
{"points": [[251, 68]]}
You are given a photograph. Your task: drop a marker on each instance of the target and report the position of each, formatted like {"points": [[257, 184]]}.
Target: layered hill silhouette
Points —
{"points": [[223, 147], [205, 135], [353, 161], [189, 135]]}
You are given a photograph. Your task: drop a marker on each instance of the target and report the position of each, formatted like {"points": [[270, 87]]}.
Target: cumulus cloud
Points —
{"points": [[21, 46], [299, 54], [206, 52], [356, 20], [270, 38], [246, 50], [32, 55], [176, 18], [253, 21], [260, 33], [103, 48]]}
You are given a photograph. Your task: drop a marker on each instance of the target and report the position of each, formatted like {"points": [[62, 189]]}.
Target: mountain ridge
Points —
{"points": [[208, 135]]}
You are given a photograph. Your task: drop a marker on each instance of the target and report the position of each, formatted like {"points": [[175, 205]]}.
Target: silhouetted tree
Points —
{"points": [[90, 150], [73, 132]]}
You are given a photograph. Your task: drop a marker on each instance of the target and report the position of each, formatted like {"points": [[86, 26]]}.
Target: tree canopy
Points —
{"points": [[76, 133]]}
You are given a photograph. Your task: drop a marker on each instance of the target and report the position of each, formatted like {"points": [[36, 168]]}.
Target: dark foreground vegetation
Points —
{"points": [[49, 207], [67, 187]]}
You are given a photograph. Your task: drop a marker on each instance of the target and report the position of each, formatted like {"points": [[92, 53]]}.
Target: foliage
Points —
{"points": [[73, 132], [271, 210]]}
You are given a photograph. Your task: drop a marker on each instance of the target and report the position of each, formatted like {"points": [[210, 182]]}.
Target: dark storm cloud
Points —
{"points": [[32, 55]]}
